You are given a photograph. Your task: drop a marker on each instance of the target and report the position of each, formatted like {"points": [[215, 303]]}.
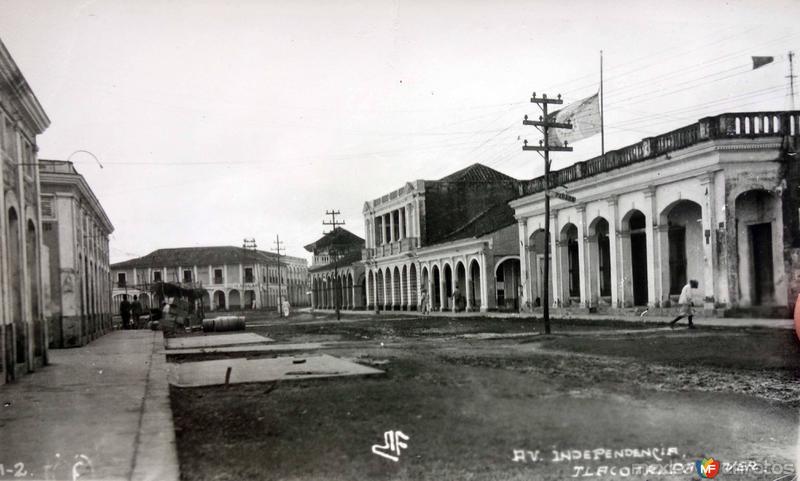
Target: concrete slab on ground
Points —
{"points": [[303, 346], [211, 373], [216, 340], [107, 401]]}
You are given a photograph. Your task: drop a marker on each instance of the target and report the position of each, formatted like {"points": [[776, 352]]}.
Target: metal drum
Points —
{"points": [[224, 323]]}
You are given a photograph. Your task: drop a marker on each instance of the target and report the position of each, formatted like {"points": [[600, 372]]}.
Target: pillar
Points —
{"points": [[524, 256], [582, 256], [484, 278], [555, 264], [653, 254], [391, 227]]}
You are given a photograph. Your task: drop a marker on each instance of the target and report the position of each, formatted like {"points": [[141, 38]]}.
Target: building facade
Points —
{"points": [[337, 273], [75, 231], [234, 278], [455, 235], [715, 201], [22, 326]]}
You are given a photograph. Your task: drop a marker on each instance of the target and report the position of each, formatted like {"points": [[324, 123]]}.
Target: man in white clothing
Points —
{"points": [[686, 304]]}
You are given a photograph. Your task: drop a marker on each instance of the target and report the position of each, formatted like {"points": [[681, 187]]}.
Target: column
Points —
{"points": [[524, 256], [368, 285], [453, 283], [409, 291], [582, 257], [211, 278], [613, 239], [391, 227], [555, 261], [442, 289], [709, 214], [403, 287], [313, 293], [485, 283], [468, 286], [387, 282], [653, 258], [402, 214]]}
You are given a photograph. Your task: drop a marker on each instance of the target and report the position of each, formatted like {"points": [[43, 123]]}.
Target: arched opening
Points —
{"points": [[475, 286], [32, 257], [570, 264], [426, 285], [507, 284], [206, 300], [599, 247], [460, 293], [219, 300], [234, 300], [634, 247], [536, 244], [396, 289], [436, 295], [19, 334], [404, 289], [684, 252], [760, 246], [361, 292], [380, 291], [249, 299], [412, 277]]}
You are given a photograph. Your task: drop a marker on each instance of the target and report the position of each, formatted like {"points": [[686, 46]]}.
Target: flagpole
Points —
{"points": [[602, 98]]}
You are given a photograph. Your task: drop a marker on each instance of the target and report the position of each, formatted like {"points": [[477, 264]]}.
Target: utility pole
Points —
{"points": [[278, 248], [332, 251], [544, 124], [791, 78]]}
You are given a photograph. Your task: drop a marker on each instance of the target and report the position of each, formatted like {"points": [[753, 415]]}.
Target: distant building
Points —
{"points": [[234, 278], [337, 273], [715, 201], [75, 231], [457, 232], [23, 346]]}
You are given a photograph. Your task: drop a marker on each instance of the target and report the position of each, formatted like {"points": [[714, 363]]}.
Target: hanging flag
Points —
{"points": [[584, 116], [761, 61]]}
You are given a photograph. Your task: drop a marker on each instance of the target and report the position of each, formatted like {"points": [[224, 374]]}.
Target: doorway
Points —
{"points": [[761, 254]]}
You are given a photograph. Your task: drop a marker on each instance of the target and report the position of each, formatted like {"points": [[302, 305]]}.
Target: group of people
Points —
{"points": [[130, 312], [685, 301]]}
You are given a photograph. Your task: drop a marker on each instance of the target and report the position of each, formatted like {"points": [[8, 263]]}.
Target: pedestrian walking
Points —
{"points": [[685, 300], [423, 302], [125, 312], [136, 312]]}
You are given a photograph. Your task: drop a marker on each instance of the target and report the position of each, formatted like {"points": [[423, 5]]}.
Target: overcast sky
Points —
{"points": [[218, 120]]}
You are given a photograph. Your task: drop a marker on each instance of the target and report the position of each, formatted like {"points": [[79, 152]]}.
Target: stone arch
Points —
{"points": [[396, 287], [475, 287], [507, 283], [570, 262], [447, 299], [681, 223], [219, 300], [759, 245], [436, 287], [633, 240], [599, 260], [413, 300], [460, 301]]}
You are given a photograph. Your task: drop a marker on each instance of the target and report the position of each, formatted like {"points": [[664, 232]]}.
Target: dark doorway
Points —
{"points": [[639, 259], [761, 251], [677, 259], [436, 295], [604, 262]]}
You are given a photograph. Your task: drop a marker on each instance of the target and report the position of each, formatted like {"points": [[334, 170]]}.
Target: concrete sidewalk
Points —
{"points": [[102, 410], [699, 320]]}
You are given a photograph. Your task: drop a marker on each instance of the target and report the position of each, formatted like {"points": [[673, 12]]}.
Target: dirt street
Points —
{"points": [[493, 399]]}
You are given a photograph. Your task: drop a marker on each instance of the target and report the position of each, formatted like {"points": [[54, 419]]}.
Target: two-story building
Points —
{"points": [[447, 236], [337, 273], [75, 231], [23, 330], [715, 201], [234, 278]]}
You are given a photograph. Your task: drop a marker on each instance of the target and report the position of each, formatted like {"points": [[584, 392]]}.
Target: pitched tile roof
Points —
{"points": [[477, 172], [339, 237], [490, 220], [199, 256]]}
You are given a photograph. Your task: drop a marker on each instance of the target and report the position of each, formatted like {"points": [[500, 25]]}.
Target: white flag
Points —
{"points": [[584, 116]]}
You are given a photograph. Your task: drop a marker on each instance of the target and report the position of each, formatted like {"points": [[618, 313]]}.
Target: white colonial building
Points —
{"points": [[704, 202], [447, 236], [234, 278]]}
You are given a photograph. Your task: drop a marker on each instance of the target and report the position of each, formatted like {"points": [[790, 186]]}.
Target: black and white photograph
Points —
{"points": [[399, 240]]}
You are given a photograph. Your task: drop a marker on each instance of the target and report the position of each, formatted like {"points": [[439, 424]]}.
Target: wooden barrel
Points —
{"points": [[225, 323]]}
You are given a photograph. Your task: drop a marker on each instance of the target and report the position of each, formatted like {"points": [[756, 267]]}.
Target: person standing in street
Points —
{"points": [[125, 312], [136, 312], [685, 301], [423, 302]]}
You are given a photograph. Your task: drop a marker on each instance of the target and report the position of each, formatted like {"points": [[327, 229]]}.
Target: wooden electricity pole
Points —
{"points": [[335, 255], [278, 248], [544, 124]]}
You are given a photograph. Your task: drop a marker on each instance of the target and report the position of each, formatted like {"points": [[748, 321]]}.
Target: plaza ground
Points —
{"points": [[470, 391]]}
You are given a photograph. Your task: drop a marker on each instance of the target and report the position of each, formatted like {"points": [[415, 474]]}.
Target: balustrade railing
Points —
{"points": [[729, 125]]}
